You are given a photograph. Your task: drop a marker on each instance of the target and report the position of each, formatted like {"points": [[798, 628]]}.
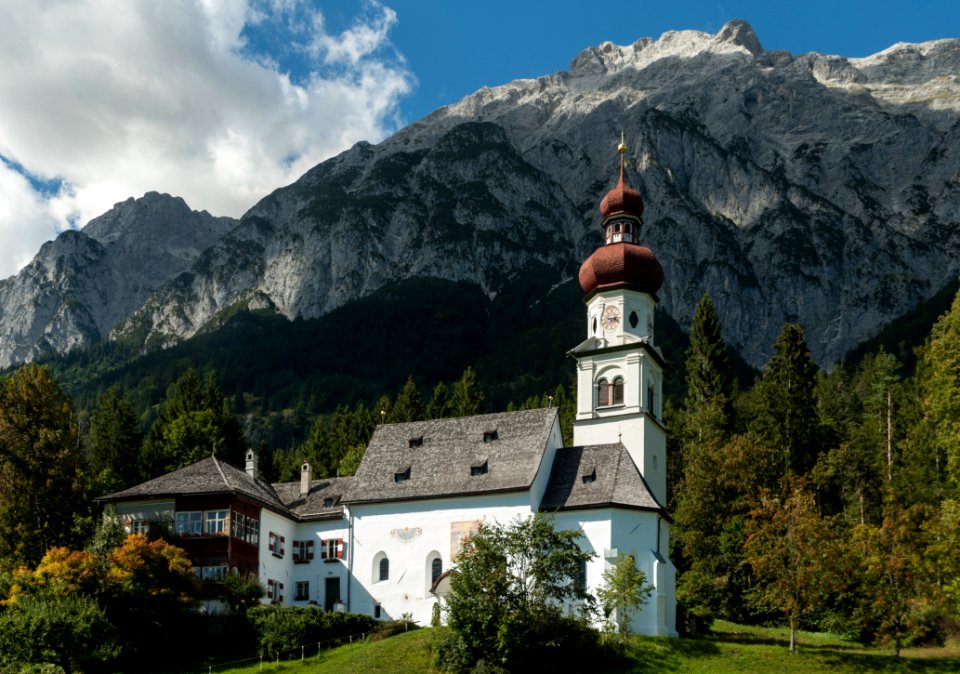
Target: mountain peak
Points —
{"points": [[740, 33]]}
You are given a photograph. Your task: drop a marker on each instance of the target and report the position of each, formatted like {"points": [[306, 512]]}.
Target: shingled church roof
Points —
{"points": [[453, 457], [597, 476]]}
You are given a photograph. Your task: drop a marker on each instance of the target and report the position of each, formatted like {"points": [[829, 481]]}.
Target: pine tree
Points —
{"points": [[709, 377], [786, 412], [467, 395], [114, 443], [407, 406], [439, 405]]}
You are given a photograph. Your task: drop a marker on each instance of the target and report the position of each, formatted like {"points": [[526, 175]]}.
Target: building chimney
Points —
{"points": [[252, 464], [306, 475]]}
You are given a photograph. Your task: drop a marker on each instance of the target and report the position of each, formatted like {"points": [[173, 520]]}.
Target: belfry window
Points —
{"points": [[603, 393], [617, 393], [610, 393], [651, 403]]}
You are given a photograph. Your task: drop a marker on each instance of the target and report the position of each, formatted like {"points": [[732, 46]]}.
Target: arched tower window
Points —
{"points": [[651, 403], [617, 393], [603, 393]]}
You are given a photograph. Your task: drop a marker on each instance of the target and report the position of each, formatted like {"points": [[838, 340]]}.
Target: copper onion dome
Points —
{"points": [[621, 262]]}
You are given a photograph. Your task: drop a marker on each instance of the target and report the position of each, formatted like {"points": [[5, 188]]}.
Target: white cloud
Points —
{"points": [[192, 98]]}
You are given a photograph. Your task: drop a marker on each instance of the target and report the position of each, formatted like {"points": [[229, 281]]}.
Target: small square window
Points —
{"points": [[479, 468], [303, 590], [416, 442], [490, 436], [402, 475], [328, 503]]}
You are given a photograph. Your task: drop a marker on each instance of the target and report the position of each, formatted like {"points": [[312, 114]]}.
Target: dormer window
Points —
{"points": [[588, 473], [416, 442], [490, 436], [402, 474], [478, 468], [328, 502]]}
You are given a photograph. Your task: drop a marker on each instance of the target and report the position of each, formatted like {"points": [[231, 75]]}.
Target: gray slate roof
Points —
{"points": [[207, 476], [311, 506], [441, 465], [212, 476], [616, 480]]}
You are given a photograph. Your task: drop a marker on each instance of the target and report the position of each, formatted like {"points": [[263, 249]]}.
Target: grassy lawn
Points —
{"points": [[731, 649]]}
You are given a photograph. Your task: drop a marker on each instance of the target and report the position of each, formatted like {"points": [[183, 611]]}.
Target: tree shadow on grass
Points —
{"points": [[886, 662], [664, 654]]}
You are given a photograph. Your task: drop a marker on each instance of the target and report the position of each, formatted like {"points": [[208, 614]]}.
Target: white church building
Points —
{"points": [[384, 541]]}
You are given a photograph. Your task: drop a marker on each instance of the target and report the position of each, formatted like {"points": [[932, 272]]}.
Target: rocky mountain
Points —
{"points": [[815, 189], [82, 284]]}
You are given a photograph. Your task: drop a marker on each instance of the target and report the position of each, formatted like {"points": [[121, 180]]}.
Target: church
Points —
{"points": [[384, 542]]}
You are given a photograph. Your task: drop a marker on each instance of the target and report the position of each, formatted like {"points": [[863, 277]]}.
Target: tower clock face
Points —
{"points": [[610, 318]]}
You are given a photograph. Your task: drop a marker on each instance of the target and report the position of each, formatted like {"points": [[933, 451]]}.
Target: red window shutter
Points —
{"points": [[339, 548], [309, 549], [296, 552], [282, 549], [323, 549]]}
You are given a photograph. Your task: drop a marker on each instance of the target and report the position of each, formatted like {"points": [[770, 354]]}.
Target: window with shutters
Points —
{"points": [[275, 591], [331, 549], [276, 543], [302, 552]]}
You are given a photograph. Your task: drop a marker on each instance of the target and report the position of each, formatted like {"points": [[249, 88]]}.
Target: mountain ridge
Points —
{"points": [[813, 189]]}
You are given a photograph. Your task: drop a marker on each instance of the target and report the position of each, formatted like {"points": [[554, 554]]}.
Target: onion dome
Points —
{"points": [[621, 265], [622, 198], [622, 262]]}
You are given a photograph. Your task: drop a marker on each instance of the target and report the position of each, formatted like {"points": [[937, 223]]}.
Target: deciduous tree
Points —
{"points": [[793, 552], [40, 466]]}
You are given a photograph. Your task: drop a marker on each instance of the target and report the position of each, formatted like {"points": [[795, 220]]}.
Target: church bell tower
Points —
{"points": [[619, 367]]}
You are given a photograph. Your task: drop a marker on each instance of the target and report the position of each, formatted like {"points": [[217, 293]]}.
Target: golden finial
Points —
{"points": [[622, 147]]}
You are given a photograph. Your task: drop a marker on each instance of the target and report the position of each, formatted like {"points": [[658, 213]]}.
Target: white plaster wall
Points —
{"points": [[635, 532], [409, 532], [277, 568], [317, 570]]}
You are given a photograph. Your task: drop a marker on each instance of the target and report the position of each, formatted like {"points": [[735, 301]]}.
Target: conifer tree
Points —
{"points": [[439, 405], [114, 443], [467, 395], [407, 406], [709, 377], [785, 415]]}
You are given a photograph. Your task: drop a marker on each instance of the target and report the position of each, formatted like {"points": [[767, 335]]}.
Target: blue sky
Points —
{"points": [[222, 101]]}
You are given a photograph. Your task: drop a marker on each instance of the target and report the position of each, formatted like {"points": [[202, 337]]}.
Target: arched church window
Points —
{"points": [[617, 393], [384, 569], [436, 569], [603, 393]]}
